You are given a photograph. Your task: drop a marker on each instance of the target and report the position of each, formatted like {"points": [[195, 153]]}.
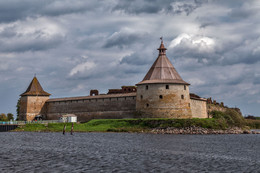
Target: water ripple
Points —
{"points": [[128, 152]]}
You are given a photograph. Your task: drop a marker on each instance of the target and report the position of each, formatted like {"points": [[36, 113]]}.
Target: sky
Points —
{"points": [[75, 46]]}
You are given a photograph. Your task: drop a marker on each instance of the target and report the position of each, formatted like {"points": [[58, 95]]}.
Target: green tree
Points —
{"points": [[18, 108], [10, 116], [3, 117]]}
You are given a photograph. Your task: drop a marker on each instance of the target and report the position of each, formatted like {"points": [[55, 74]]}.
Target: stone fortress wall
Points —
{"points": [[117, 106], [198, 108], [114, 106]]}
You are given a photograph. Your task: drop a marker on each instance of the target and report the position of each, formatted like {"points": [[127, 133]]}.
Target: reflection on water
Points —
{"points": [[128, 152]]}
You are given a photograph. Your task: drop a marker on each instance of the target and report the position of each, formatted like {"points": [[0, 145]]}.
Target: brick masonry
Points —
{"points": [[93, 108], [154, 100], [32, 106]]}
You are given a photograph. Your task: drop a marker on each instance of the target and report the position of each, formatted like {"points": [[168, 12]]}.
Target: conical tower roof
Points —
{"points": [[162, 70], [35, 89]]}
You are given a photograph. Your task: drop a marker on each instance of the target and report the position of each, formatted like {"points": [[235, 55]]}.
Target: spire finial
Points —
{"points": [[161, 38], [162, 49], [34, 74]]}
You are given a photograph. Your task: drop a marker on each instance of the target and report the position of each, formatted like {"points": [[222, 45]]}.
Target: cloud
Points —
{"points": [[82, 68], [11, 11], [214, 45], [124, 37], [137, 59], [61, 7], [14, 10], [157, 6], [30, 35], [203, 42], [35, 44]]}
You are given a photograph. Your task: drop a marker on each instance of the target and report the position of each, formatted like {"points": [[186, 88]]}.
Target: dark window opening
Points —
{"points": [[146, 87], [147, 105], [167, 86], [160, 96], [182, 96], [184, 87], [141, 96]]}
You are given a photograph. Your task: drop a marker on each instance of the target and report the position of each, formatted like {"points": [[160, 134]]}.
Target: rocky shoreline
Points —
{"points": [[201, 131]]}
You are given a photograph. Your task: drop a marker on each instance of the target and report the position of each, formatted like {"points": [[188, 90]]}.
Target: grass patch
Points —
{"points": [[253, 124], [126, 125]]}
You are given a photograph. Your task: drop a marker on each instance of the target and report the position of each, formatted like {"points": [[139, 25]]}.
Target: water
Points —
{"points": [[128, 152]]}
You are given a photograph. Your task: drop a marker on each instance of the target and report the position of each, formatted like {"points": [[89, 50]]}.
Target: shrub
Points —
{"points": [[230, 116], [254, 124], [238, 119]]}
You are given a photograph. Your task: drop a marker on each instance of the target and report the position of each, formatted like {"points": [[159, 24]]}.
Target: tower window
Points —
{"points": [[160, 96], [146, 87], [182, 96], [147, 105], [184, 87], [167, 87], [141, 96]]}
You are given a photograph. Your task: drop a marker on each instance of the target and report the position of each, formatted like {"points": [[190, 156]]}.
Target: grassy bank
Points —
{"points": [[123, 125], [220, 121]]}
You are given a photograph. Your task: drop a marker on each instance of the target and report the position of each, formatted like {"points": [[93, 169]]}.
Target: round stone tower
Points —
{"points": [[163, 93]]}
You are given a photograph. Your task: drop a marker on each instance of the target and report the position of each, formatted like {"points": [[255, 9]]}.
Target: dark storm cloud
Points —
{"points": [[137, 59], [156, 6], [124, 38], [14, 10], [31, 45], [14, 41], [61, 7], [19, 9]]}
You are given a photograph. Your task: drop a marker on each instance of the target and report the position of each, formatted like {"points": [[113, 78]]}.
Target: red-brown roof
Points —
{"points": [[162, 71], [196, 97], [35, 89]]}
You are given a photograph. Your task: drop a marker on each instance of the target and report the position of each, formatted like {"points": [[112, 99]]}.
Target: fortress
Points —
{"points": [[161, 94]]}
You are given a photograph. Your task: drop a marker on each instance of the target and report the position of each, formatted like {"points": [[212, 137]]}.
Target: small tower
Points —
{"points": [[32, 101], [163, 93]]}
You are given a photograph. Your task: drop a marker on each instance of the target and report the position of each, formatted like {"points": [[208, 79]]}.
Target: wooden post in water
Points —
{"points": [[64, 129], [71, 132]]}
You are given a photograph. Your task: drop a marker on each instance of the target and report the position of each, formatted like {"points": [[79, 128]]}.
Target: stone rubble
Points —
{"points": [[200, 130]]}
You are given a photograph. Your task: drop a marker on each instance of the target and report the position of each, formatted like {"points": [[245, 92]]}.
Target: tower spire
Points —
{"points": [[162, 49], [35, 89], [162, 70]]}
